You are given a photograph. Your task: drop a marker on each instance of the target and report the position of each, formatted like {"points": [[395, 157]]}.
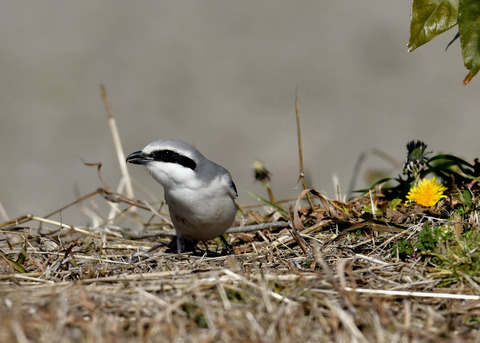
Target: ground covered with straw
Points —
{"points": [[330, 271]]}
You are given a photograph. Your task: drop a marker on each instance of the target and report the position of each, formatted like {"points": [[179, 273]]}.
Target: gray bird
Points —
{"points": [[199, 193]]}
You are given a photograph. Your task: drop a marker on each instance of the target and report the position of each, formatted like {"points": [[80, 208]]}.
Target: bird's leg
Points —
{"points": [[180, 245], [206, 247], [228, 247]]}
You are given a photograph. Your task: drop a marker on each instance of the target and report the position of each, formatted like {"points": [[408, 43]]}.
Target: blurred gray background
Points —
{"points": [[221, 75]]}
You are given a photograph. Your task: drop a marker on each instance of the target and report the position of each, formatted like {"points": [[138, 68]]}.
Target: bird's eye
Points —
{"points": [[171, 156]]}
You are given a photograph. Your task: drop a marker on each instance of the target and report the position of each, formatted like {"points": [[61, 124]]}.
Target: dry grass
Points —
{"points": [[96, 283]]}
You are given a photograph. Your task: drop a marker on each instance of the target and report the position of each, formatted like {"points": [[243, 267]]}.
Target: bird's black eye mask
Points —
{"points": [[173, 157]]}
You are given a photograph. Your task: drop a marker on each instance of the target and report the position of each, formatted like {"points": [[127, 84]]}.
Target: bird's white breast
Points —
{"points": [[201, 214]]}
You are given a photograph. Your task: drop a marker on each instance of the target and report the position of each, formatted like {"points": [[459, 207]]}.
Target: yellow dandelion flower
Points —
{"points": [[427, 193]]}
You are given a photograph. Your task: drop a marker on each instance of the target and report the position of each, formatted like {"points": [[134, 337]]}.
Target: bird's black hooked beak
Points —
{"points": [[138, 157]]}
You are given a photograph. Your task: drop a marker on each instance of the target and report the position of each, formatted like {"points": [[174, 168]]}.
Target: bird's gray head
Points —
{"points": [[175, 163], [167, 151]]}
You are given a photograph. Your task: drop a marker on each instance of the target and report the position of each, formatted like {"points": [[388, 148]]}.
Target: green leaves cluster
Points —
{"points": [[458, 256], [455, 173], [429, 18], [427, 241], [429, 237]]}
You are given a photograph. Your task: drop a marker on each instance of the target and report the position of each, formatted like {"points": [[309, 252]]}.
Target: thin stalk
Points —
{"points": [[300, 151], [117, 143]]}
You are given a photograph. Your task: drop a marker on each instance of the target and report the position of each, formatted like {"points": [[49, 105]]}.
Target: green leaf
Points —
{"points": [[473, 177], [469, 29], [429, 18], [465, 197], [394, 203], [403, 248], [368, 208], [379, 182], [22, 256], [14, 265], [456, 160]]}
